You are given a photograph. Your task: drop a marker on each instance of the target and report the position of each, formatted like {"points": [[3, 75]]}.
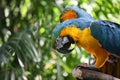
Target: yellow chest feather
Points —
{"points": [[84, 39], [87, 41]]}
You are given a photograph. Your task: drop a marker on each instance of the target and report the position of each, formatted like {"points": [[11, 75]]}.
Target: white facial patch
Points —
{"points": [[65, 40], [60, 41]]}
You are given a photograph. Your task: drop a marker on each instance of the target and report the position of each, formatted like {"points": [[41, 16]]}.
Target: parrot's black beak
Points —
{"points": [[62, 44]]}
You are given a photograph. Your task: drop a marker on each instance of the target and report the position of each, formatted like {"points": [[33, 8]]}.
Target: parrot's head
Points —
{"points": [[72, 12], [67, 33]]}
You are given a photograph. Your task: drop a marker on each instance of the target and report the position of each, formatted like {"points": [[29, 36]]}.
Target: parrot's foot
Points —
{"points": [[113, 59], [77, 73], [89, 67]]}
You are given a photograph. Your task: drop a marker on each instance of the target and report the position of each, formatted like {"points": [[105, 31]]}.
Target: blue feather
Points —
{"points": [[79, 22], [81, 13], [108, 34]]}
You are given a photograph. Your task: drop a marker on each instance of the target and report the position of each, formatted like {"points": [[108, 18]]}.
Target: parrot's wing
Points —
{"points": [[108, 34]]}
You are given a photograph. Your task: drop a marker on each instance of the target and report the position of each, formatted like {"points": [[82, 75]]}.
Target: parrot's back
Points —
{"points": [[108, 34]]}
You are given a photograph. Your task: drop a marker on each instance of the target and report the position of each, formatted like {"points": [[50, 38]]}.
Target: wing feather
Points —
{"points": [[108, 34]]}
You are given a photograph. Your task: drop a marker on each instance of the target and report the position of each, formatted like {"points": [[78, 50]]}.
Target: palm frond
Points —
{"points": [[17, 53]]}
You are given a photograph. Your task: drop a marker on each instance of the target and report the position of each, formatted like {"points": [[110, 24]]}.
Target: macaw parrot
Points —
{"points": [[100, 38]]}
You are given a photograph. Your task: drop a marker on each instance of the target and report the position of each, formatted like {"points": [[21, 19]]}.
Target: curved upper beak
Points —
{"points": [[62, 44]]}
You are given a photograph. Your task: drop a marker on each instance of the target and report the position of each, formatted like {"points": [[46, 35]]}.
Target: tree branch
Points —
{"points": [[86, 74]]}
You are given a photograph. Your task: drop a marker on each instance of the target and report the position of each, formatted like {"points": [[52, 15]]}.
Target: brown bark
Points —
{"points": [[86, 74], [112, 69]]}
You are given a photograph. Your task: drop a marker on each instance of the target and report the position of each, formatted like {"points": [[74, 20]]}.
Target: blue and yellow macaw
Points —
{"points": [[100, 38]]}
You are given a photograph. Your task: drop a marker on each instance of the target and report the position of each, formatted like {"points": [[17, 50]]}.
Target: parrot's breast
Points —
{"points": [[87, 41], [83, 38]]}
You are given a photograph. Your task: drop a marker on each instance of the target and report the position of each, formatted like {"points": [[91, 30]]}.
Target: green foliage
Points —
{"points": [[25, 37]]}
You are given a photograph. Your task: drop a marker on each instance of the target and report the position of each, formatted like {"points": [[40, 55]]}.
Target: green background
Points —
{"points": [[25, 37]]}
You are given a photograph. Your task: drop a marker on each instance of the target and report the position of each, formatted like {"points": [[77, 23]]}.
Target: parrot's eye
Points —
{"points": [[62, 44]]}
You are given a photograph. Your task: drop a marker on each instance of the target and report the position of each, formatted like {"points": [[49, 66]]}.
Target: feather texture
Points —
{"points": [[79, 22], [108, 34], [81, 13]]}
